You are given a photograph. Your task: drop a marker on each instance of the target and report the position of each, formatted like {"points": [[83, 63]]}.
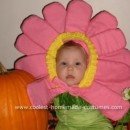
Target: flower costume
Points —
{"points": [[108, 71]]}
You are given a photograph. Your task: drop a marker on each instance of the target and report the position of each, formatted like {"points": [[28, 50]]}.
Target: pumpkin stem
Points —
{"points": [[3, 70]]}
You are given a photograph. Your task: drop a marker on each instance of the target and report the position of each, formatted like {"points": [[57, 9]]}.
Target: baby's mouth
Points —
{"points": [[70, 77]]}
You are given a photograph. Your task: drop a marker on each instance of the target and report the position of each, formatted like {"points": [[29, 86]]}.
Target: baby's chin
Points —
{"points": [[72, 84]]}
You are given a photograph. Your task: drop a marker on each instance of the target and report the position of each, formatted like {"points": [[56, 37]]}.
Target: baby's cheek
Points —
{"points": [[62, 73], [81, 71]]}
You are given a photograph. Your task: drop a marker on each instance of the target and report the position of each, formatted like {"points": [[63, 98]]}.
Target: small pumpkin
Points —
{"points": [[15, 113]]}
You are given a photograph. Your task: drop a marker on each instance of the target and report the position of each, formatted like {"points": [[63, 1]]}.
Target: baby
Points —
{"points": [[71, 63]]}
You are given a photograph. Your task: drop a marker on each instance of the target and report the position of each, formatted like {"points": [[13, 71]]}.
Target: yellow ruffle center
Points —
{"points": [[93, 56]]}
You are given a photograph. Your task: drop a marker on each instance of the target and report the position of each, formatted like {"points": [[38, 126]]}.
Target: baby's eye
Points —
{"points": [[77, 63], [63, 63]]}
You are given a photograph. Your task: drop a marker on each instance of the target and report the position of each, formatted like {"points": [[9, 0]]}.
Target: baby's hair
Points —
{"points": [[70, 44]]}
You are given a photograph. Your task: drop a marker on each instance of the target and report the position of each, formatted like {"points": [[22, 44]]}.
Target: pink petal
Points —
{"points": [[28, 47], [78, 16], [122, 56], [39, 31], [101, 96], [101, 22], [55, 14], [39, 93], [42, 92], [114, 75], [34, 64], [109, 41]]}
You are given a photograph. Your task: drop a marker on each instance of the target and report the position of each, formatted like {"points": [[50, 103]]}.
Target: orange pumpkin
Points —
{"points": [[15, 112]]}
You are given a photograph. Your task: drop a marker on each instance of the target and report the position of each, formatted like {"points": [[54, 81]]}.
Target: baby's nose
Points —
{"points": [[70, 67]]}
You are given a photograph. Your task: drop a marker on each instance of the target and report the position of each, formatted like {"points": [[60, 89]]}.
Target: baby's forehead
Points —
{"points": [[74, 52], [71, 50], [71, 47]]}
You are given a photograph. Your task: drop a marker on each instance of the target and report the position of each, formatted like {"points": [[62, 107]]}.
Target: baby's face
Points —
{"points": [[71, 65]]}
